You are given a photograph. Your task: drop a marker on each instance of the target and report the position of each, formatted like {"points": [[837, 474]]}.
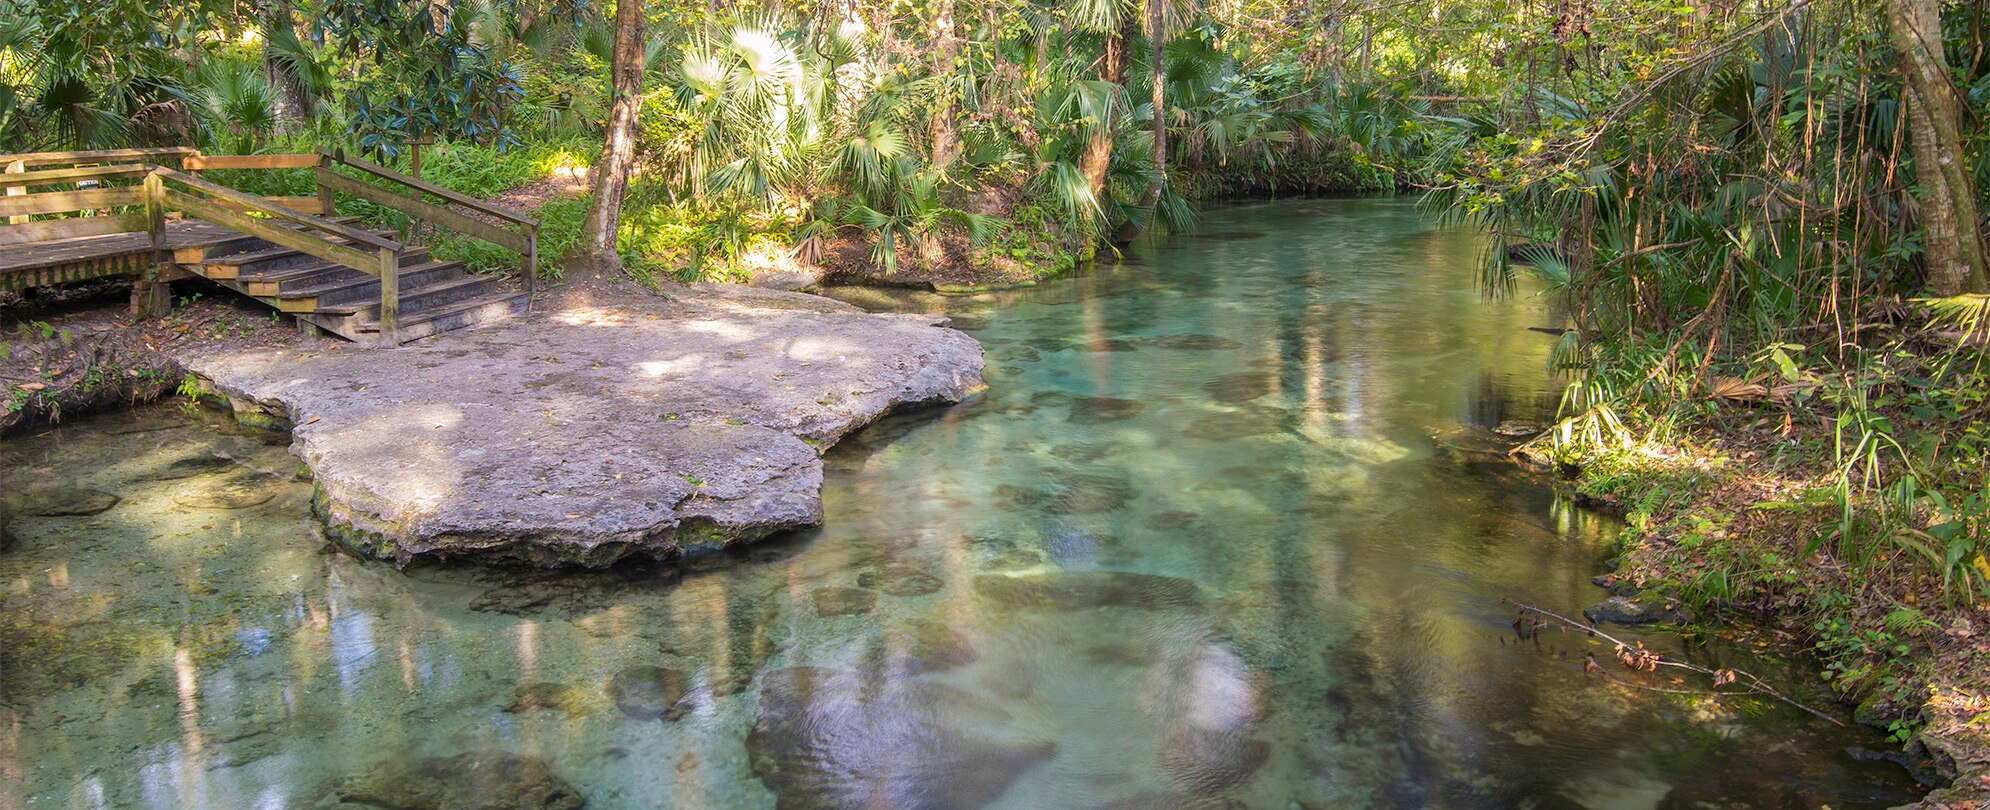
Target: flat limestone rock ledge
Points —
{"points": [[645, 427]]}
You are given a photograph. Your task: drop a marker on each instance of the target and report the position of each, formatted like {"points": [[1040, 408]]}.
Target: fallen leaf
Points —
{"points": [[1738, 389]]}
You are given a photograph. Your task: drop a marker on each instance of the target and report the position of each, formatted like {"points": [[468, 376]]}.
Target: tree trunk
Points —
{"points": [[1098, 148], [1157, 38], [946, 60], [1954, 248], [610, 177], [291, 107], [852, 78]]}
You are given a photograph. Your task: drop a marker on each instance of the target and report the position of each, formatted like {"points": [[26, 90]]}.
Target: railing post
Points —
{"points": [[16, 167], [390, 298], [531, 265], [156, 301], [324, 192]]}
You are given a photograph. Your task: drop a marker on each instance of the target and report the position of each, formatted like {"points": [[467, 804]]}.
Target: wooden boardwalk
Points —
{"points": [[67, 216], [57, 261]]}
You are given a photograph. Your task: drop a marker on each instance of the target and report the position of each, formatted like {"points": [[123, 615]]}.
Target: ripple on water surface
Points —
{"points": [[1228, 530]]}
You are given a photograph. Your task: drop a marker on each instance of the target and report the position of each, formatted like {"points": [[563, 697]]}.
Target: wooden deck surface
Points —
{"points": [[179, 233], [56, 261]]}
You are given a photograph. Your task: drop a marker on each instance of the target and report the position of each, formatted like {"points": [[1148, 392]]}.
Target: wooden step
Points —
{"points": [[496, 306], [277, 282], [354, 287], [242, 244], [265, 259], [413, 301], [273, 282]]}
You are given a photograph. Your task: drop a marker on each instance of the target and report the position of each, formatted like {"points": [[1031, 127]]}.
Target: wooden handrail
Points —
{"points": [[421, 209], [31, 159], [200, 162], [63, 202], [267, 230], [47, 177], [472, 203], [263, 206], [525, 241]]}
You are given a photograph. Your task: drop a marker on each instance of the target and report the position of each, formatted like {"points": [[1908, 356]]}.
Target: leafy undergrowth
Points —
{"points": [[1841, 504]]}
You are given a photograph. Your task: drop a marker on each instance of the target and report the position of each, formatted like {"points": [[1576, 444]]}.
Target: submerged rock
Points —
{"points": [[1191, 342], [1237, 388], [644, 428], [990, 543], [827, 738], [927, 646], [902, 580], [1626, 610], [195, 465], [240, 492], [1099, 410], [649, 693], [834, 601], [1134, 656], [1621, 586], [1083, 451], [1223, 427], [484, 780], [65, 501], [1069, 544], [1175, 800], [1014, 560], [1052, 398], [1020, 496], [1206, 761], [554, 696], [1090, 500], [1089, 493], [1082, 590]]}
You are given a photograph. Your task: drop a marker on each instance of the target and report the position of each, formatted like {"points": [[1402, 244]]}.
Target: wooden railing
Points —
{"points": [[518, 232], [19, 205], [21, 162], [17, 168], [197, 162], [298, 223], [312, 234]]}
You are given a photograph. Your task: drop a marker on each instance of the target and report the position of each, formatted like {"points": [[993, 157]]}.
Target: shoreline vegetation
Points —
{"points": [[1764, 221], [1738, 511]]}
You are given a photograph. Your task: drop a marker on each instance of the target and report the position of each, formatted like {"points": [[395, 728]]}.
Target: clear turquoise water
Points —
{"points": [[1219, 535]]}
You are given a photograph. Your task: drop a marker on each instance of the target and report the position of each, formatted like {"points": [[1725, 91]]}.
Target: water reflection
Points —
{"points": [[1231, 528]]}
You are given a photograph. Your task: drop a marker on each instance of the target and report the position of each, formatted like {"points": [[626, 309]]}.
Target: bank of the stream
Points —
{"points": [[76, 350], [1733, 521]]}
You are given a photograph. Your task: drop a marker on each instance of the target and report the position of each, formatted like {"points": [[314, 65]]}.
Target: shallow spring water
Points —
{"points": [[1219, 535]]}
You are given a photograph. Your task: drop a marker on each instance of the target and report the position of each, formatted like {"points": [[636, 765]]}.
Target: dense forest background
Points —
{"points": [[1764, 218], [1649, 124]]}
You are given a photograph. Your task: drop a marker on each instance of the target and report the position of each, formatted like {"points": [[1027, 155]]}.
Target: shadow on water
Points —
{"points": [[1230, 528]]}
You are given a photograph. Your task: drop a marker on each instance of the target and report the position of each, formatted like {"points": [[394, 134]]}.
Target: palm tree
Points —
{"points": [[68, 82], [1115, 22]]}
